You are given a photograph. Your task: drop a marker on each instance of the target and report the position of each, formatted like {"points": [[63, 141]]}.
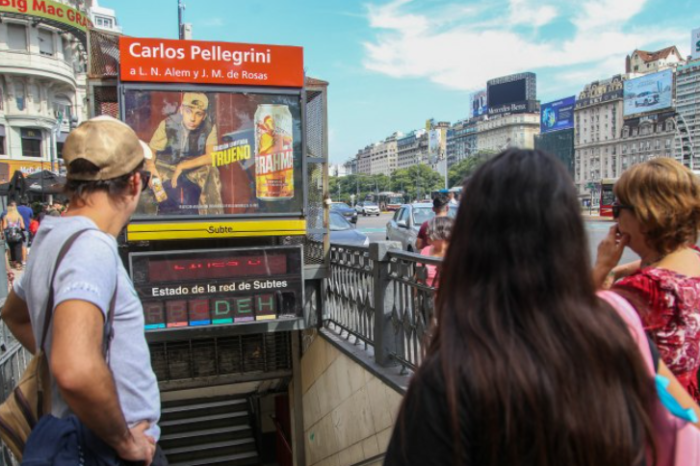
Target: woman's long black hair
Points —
{"points": [[551, 375]]}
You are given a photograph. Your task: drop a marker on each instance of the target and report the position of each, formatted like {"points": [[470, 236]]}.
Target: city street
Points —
{"points": [[375, 228]]}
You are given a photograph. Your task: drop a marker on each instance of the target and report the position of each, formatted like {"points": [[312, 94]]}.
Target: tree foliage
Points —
{"points": [[464, 169], [415, 182]]}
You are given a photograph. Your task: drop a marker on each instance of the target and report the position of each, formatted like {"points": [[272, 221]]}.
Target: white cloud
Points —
{"points": [[528, 13], [464, 53]]}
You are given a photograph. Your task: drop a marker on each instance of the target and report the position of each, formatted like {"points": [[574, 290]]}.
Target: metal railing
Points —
{"points": [[383, 298], [13, 361]]}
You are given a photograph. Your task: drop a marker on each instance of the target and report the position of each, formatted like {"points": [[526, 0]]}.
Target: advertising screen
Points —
{"points": [[479, 103], [218, 153], [648, 93], [557, 115], [506, 93], [434, 140]]}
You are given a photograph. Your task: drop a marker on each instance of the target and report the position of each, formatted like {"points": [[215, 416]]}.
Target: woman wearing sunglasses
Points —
{"points": [[657, 215]]}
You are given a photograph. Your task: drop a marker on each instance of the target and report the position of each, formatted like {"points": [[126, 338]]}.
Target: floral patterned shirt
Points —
{"points": [[672, 319]]}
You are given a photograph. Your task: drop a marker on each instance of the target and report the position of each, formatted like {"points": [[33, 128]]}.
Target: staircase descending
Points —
{"points": [[213, 431]]}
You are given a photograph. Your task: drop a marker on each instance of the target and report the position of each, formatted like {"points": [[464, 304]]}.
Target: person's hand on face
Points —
{"points": [[611, 248]]}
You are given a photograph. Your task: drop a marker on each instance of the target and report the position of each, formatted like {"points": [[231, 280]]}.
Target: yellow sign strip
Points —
{"points": [[230, 229]]}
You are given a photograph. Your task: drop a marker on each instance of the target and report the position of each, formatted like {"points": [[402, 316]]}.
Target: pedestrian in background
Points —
{"points": [[442, 209], [658, 217], [438, 232], [527, 365], [14, 232], [27, 214]]}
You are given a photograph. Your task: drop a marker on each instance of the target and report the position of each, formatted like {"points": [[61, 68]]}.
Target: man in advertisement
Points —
{"points": [[185, 182]]}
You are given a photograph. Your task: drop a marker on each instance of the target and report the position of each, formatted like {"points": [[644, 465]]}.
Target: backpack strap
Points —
{"points": [[109, 332]]}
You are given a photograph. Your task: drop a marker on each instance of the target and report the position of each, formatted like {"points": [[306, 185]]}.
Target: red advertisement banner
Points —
{"points": [[198, 62]]}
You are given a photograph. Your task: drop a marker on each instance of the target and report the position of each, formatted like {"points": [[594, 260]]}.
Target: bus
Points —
{"points": [[386, 200], [607, 196]]}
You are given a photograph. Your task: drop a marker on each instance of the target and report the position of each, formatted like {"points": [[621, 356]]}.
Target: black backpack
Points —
{"points": [[13, 234]]}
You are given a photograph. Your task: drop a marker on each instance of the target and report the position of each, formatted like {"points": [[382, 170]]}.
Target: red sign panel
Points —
{"points": [[198, 62]]}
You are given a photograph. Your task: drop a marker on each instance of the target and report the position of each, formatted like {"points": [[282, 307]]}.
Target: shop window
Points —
{"points": [[17, 36], [31, 142], [46, 42]]}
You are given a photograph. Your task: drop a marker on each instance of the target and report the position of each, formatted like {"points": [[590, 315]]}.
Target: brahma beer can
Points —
{"points": [[274, 153]]}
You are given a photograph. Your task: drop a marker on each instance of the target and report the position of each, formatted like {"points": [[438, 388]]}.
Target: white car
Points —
{"points": [[367, 208]]}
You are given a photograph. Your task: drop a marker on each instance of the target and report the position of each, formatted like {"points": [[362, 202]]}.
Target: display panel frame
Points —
{"points": [[123, 88], [165, 331]]}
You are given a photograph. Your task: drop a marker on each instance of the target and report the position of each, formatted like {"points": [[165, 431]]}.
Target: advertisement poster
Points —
{"points": [[219, 153], [648, 93], [434, 143], [557, 115], [479, 104], [695, 44]]}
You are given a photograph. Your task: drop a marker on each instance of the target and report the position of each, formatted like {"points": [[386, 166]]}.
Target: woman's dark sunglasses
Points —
{"points": [[145, 179], [616, 208]]}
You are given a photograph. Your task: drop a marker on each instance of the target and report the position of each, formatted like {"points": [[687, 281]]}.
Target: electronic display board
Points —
{"points": [[516, 93], [218, 287], [506, 93], [557, 115], [218, 153], [649, 93]]}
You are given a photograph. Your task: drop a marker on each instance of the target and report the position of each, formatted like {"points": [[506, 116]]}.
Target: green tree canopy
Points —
{"points": [[466, 167], [418, 181]]}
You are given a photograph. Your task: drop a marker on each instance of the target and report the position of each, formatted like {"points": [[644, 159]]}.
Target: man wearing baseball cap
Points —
{"points": [[182, 144], [114, 395]]}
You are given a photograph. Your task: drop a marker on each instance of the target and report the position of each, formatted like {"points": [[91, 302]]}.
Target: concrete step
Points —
{"points": [[242, 459]]}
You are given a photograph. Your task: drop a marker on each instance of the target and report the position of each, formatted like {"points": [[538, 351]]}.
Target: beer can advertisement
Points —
{"points": [[218, 153]]}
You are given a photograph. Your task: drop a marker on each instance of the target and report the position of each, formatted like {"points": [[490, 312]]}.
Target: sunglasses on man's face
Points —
{"points": [[616, 208], [145, 179]]}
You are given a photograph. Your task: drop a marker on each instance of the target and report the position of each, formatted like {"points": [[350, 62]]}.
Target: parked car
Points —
{"points": [[343, 231], [404, 225], [345, 210], [367, 208]]}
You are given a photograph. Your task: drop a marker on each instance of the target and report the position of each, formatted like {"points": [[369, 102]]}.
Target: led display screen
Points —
{"points": [[181, 290]]}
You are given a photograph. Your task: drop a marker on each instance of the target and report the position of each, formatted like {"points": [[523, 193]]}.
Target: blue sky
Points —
{"points": [[393, 64]]}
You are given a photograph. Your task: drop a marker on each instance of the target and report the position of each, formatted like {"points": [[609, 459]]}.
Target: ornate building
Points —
{"points": [[597, 128]]}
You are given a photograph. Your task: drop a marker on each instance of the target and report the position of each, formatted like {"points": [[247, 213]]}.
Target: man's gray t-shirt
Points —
{"points": [[88, 272]]}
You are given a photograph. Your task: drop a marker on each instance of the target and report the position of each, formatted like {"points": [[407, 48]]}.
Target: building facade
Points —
{"points": [[560, 144], [43, 88], [364, 160], [597, 129], [461, 141], [412, 149], [384, 156], [644, 62], [351, 166], [516, 130], [687, 142], [647, 137]]}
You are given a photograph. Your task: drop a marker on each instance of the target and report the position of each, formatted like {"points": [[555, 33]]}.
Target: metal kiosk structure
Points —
{"points": [[228, 249]]}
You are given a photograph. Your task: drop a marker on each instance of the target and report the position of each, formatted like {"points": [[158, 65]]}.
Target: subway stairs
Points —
{"points": [[213, 431]]}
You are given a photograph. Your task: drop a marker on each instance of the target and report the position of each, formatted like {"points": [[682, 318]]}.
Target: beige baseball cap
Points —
{"points": [[196, 100], [108, 143]]}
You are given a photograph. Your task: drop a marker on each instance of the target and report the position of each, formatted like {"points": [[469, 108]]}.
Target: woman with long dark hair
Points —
{"points": [[527, 365]]}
